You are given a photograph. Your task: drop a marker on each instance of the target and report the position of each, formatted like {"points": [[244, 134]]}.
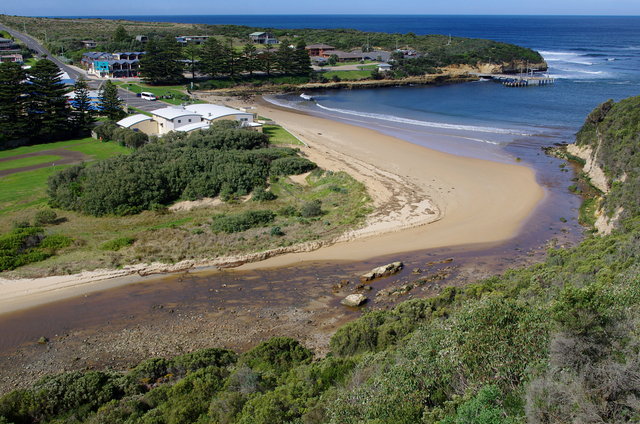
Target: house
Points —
{"points": [[186, 119], [192, 39], [88, 44], [345, 56], [263, 38], [142, 38], [384, 67], [319, 49], [8, 46], [112, 65], [16, 57]]}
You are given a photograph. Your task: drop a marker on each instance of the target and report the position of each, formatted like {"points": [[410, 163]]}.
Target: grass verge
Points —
{"points": [[278, 135]]}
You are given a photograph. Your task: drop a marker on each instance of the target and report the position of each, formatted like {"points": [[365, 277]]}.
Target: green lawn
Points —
{"points": [[26, 189], [348, 75], [30, 62], [278, 135], [174, 92], [21, 163]]}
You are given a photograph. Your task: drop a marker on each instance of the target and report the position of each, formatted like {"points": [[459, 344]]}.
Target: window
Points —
{"points": [[179, 121], [189, 120]]}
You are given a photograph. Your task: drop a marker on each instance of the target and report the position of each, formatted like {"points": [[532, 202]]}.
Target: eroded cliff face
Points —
{"points": [[500, 68]]}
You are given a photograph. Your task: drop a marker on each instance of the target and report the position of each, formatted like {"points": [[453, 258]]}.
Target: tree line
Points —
{"points": [[34, 108], [165, 61]]}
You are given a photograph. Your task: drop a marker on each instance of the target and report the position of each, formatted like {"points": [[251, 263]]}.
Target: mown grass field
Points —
{"points": [[348, 75], [27, 189]]}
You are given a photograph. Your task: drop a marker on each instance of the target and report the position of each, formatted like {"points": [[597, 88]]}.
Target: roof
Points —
{"points": [[384, 65], [320, 46], [93, 94], [210, 112], [346, 55], [5, 40], [192, 127], [171, 113], [129, 121]]}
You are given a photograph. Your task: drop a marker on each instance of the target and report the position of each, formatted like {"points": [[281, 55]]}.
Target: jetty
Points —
{"points": [[518, 80]]}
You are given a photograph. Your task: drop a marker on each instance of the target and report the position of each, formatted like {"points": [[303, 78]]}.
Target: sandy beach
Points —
{"points": [[423, 198]]}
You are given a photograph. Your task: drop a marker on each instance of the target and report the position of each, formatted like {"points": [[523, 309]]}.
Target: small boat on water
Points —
{"points": [[306, 97]]}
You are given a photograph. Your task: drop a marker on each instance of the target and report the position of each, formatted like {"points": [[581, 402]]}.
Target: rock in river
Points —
{"points": [[354, 300], [382, 271]]}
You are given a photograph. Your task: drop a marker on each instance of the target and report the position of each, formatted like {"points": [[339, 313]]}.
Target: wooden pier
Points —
{"points": [[518, 80]]}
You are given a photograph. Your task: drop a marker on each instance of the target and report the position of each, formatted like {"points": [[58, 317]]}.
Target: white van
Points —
{"points": [[148, 96]]}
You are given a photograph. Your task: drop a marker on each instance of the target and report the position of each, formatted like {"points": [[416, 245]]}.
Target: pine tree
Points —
{"points": [[301, 59], [284, 59], [83, 112], [47, 104], [266, 59], [120, 34], [109, 103], [212, 58], [250, 59], [13, 119], [161, 63]]}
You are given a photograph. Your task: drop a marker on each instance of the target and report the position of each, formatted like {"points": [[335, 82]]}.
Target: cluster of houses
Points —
{"points": [[186, 119], [112, 65], [9, 51], [320, 54]]}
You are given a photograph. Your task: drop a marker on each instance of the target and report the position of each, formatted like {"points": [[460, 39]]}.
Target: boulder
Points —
{"points": [[354, 300], [382, 271]]}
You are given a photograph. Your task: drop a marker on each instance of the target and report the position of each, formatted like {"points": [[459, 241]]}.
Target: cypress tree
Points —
{"points": [[48, 109], [109, 103], [250, 59], [83, 112], [301, 60], [13, 119], [284, 59], [161, 63]]}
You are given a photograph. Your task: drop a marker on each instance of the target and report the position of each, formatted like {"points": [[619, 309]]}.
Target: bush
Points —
{"points": [[55, 242], [262, 195], [105, 131], [118, 243], [242, 221], [276, 231], [311, 209], [292, 165], [45, 217]]}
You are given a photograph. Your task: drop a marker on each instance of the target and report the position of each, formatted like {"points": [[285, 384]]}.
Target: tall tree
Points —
{"points": [[13, 119], [284, 59], [232, 60], [301, 60], [250, 62], [120, 35], [161, 64], [191, 52], [212, 60], [82, 114], [266, 59], [109, 103], [47, 104]]}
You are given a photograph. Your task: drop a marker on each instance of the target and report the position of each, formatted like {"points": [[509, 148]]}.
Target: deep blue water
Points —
{"points": [[593, 59]]}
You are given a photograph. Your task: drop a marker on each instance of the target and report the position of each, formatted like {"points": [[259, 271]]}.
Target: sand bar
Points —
{"points": [[424, 199]]}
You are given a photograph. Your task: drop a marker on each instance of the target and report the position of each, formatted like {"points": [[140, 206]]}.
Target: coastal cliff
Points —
{"points": [[607, 143], [500, 68]]}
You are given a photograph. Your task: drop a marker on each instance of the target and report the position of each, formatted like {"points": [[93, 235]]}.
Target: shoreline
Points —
{"points": [[423, 199]]}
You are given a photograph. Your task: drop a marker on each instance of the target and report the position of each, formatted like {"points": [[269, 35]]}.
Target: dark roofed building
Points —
{"points": [[319, 49]]}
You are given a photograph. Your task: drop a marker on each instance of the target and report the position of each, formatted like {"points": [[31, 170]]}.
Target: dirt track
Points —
{"points": [[68, 157]]}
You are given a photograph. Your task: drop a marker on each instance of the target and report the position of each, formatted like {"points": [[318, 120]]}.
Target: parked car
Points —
{"points": [[148, 96]]}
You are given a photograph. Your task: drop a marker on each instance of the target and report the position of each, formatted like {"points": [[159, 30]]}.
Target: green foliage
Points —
{"points": [[109, 103], [261, 195], [292, 165], [45, 217], [311, 209], [161, 65], [221, 161], [14, 124], [276, 356], [486, 407], [26, 244], [47, 108], [242, 221], [118, 243]]}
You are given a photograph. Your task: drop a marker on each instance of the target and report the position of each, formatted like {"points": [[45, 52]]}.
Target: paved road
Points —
{"points": [[132, 100], [35, 45]]}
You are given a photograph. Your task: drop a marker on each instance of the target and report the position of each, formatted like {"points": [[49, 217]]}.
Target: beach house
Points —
{"points": [[263, 38], [112, 65]]}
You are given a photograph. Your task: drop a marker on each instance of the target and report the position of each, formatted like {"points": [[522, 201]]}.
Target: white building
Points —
{"points": [[172, 118], [186, 119]]}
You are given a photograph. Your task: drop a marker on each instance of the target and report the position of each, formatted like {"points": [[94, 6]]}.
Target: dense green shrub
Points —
{"points": [[242, 221], [292, 165], [203, 164], [262, 195], [105, 131], [45, 217], [26, 245], [311, 209]]}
